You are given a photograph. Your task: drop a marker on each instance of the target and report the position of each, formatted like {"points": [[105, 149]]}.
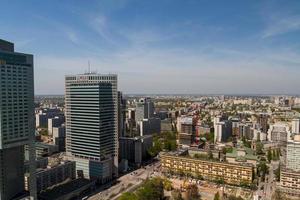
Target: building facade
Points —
{"points": [[293, 154], [16, 117], [235, 174], [91, 102]]}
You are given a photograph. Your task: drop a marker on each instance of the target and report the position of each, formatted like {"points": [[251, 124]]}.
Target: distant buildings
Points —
{"points": [[42, 116], [146, 122], [262, 120], [223, 130], [279, 132], [17, 118], [144, 109], [91, 102], [57, 121], [186, 129], [59, 137], [135, 150]]}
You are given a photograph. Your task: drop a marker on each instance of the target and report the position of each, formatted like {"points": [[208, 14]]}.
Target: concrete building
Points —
{"points": [[17, 119], [59, 137], [279, 132], [296, 126], [149, 126], [54, 122], [134, 150], [53, 175], [235, 174], [91, 102], [262, 120], [293, 154], [121, 115], [290, 183], [144, 109], [242, 155], [42, 116], [223, 130], [245, 130]]}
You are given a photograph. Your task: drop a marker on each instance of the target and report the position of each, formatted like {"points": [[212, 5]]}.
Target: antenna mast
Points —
{"points": [[89, 66]]}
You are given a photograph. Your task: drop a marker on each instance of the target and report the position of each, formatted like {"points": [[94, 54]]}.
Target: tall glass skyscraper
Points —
{"points": [[91, 124], [16, 117]]}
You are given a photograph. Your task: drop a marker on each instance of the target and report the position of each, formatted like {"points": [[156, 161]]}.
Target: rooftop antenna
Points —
{"points": [[89, 65]]}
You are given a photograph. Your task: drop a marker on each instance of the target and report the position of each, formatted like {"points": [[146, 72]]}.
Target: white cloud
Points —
{"points": [[281, 24], [178, 71]]}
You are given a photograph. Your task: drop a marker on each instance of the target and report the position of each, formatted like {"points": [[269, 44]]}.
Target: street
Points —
{"points": [[128, 182]]}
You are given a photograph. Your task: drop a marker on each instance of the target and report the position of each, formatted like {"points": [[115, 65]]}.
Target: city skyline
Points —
{"points": [[191, 47]]}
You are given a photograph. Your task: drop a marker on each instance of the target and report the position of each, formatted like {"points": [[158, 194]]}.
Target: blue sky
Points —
{"points": [[161, 46]]}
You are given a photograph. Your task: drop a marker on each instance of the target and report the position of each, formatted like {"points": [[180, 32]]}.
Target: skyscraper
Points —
{"points": [[91, 102], [16, 118], [144, 109]]}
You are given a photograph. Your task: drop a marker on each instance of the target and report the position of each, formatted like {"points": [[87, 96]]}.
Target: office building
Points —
{"points": [[134, 149], [121, 115], [144, 109], [59, 137], [91, 103], [262, 120], [17, 119], [279, 132], [223, 131], [54, 122], [149, 126], [42, 116]]}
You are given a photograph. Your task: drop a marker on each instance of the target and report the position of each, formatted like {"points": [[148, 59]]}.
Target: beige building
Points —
{"points": [[234, 174], [290, 183]]}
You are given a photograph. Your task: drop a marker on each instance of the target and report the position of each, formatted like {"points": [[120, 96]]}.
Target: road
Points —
{"points": [[128, 182], [269, 185]]}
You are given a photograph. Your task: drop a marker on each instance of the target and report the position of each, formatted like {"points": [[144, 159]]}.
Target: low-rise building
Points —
{"points": [[290, 183], [235, 174], [53, 175], [242, 155]]}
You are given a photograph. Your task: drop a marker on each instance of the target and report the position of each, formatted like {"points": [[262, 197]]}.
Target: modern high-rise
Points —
{"points": [[144, 109], [16, 118], [91, 102]]}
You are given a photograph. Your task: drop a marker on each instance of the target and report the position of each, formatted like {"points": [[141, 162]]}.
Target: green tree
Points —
{"points": [[278, 196], [152, 189], [167, 184], [259, 148], [277, 173], [217, 196], [176, 194], [269, 155], [232, 197], [210, 155], [262, 169], [156, 148], [193, 192], [128, 196]]}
